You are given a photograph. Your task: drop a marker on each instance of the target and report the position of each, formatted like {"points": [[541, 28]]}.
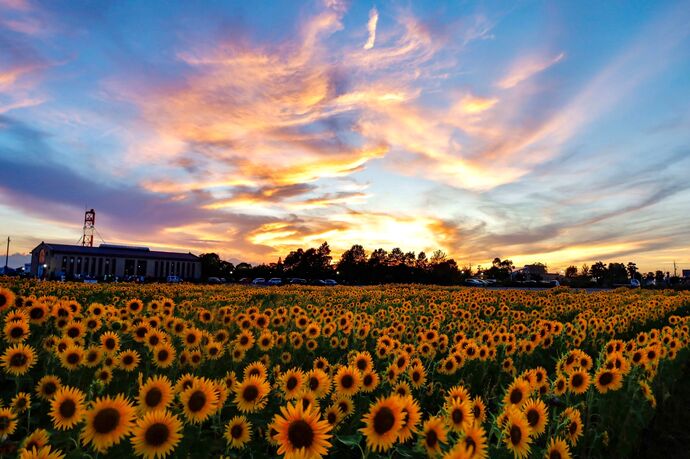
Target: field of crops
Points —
{"points": [[118, 370]]}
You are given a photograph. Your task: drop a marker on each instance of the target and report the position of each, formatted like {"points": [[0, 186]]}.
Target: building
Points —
{"points": [[686, 273], [536, 272], [53, 261]]}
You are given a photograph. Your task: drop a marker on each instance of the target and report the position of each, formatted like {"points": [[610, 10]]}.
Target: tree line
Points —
{"points": [[356, 266]]}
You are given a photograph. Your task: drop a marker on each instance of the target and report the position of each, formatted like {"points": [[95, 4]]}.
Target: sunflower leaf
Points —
{"points": [[350, 440]]}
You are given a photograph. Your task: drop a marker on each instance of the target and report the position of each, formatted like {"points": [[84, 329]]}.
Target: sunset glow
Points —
{"points": [[552, 132]]}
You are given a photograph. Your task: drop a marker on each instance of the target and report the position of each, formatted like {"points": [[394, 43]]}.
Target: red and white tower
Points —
{"points": [[89, 228]]}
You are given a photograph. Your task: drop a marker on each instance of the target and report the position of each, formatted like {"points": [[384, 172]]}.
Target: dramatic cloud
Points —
{"points": [[249, 135], [371, 28]]}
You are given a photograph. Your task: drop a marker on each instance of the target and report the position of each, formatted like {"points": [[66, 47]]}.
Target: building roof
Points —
{"points": [[117, 251]]}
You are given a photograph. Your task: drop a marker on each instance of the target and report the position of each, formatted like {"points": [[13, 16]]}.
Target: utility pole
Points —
{"points": [[675, 269], [7, 253]]}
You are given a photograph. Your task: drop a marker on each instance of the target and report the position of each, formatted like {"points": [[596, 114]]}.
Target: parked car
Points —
{"points": [[214, 280], [330, 282], [475, 283], [297, 281], [275, 281], [245, 280], [634, 283], [259, 281], [174, 280]]}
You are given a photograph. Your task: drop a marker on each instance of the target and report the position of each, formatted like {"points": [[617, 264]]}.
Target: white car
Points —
{"points": [[275, 281], [174, 280], [259, 281], [634, 283]]}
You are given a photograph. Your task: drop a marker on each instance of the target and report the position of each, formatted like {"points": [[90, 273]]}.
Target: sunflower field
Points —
{"points": [[120, 370]]}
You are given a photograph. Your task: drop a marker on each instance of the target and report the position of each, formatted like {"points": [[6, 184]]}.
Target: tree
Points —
{"points": [[352, 264], [571, 271], [213, 266], [617, 274], [584, 270], [632, 270], [599, 271]]}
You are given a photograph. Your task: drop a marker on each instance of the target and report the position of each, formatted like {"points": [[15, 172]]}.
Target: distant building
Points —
{"points": [[52, 261], [536, 272], [686, 273]]}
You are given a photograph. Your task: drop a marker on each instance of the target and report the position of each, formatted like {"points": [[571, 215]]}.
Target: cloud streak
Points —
{"points": [[371, 28]]}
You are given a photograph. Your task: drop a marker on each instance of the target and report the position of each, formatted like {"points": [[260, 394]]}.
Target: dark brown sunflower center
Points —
{"points": [[300, 434], [368, 380], [128, 360], [578, 380], [515, 435], [554, 454], [106, 420], [153, 397], [35, 313], [572, 428], [17, 332], [3, 300], [18, 360], [470, 444], [515, 396], [163, 355], [331, 417], [313, 383], [606, 378], [110, 343], [196, 401], [291, 383], [533, 417], [250, 393], [458, 416], [362, 364], [4, 423], [384, 420], [68, 408], [157, 434], [73, 358], [49, 388], [73, 332], [236, 431], [431, 438], [348, 381]]}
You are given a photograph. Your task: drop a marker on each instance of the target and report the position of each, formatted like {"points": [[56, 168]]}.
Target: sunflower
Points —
{"points": [[47, 386], [479, 409], [560, 385], [18, 359], [250, 394], [72, 357], [108, 421], [460, 415], [475, 442], [345, 405], [363, 361], [347, 381], [21, 402], [38, 313], [301, 433], [128, 360], [459, 451], [16, 331], [578, 381], [606, 380], [417, 375], [45, 452], [291, 383], [8, 421], [574, 426], [156, 434], [93, 356], [164, 355], [104, 375], [199, 401], [411, 417], [537, 415], [155, 394], [370, 381], [333, 415], [434, 434], [517, 434], [38, 439], [557, 449], [238, 432], [67, 408], [517, 392], [383, 423], [110, 342], [7, 299], [318, 382]]}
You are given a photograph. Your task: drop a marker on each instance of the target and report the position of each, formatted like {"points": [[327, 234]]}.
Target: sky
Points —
{"points": [[537, 131]]}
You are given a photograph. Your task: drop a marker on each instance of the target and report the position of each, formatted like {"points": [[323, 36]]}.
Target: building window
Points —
{"points": [[86, 266], [64, 264], [100, 267], [113, 266], [155, 268]]}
